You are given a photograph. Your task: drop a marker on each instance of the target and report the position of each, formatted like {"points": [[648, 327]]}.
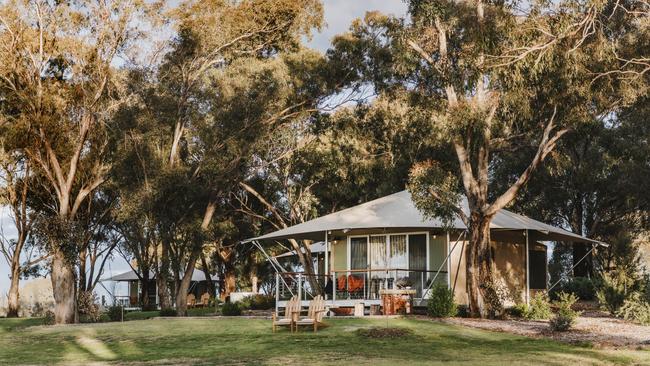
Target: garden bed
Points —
{"points": [[592, 328]]}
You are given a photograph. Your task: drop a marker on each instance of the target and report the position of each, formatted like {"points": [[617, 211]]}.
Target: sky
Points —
{"points": [[338, 16]]}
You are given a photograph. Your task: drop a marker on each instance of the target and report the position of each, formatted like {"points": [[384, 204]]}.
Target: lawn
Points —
{"points": [[242, 341]]}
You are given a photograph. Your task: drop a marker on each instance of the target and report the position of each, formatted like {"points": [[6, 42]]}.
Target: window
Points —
{"points": [[359, 253], [398, 258], [378, 249]]}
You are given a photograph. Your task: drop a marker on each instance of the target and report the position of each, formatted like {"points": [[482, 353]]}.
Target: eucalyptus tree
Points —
{"points": [[16, 187], [57, 72], [493, 77], [222, 86]]}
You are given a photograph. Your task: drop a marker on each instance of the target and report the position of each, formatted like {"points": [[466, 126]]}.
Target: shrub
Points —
{"points": [[462, 311], [615, 288], [518, 311], [584, 288], [48, 318], [168, 312], [87, 307], [539, 307], [635, 309], [257, 302], [230, 309], [114, 313], [441, 302], [565, 317]]}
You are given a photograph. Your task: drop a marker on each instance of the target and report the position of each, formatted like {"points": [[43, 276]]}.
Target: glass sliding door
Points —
{"points": [[399, 258], [359, 253], [418, 261], [378, 250]]}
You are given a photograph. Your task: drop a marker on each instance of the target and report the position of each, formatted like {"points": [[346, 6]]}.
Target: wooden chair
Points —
{"points": [[191, 300], [205, 300], [315, 314], [292, 306]]}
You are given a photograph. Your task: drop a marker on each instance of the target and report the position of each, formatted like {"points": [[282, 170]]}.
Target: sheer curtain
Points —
{"points": [[378, 252], [398, 258]]}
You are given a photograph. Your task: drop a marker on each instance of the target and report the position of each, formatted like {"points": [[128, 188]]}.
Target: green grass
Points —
{"points": [[250, 341]]}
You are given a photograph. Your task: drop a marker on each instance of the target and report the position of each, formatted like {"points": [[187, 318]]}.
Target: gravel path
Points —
{"points": [[592, 327]]}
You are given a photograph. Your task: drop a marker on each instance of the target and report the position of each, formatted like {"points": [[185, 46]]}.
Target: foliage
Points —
{"points": [[565, 316], [635, 308], [441, 302], [615, 287], [540, 307], [115, 313], [168, 312], [49, 319], [230, 309], [88, 307], [257, 302], [518, 311], [584, 288]]}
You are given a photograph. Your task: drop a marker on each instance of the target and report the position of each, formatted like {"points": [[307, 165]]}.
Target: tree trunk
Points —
{"points": [[229, 280], [208, 276], [479, 267], [144, 285], [162, 279], [184, 283], [14, 298], [64, 289], [307, 265]]}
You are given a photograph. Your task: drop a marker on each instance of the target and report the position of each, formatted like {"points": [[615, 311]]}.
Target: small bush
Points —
{"points": [[49, 318], [230, 309], [539, 308], [115, 313], [616, 286], [518, 311], [441, 302], [565, 317], [462, 311], [261, 302], [87, 307], [635, 309], [168, 312]]}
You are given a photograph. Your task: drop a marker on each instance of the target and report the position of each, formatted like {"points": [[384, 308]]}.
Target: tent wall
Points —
{"points": [[339, 259], [509, 269], [437, 251]]}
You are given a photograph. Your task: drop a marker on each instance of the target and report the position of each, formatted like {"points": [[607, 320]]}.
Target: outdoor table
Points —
{"points": [[392, 300]]}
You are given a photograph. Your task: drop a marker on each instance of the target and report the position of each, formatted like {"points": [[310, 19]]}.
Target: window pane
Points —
{"points": [[358, 253], [398, 257], [378, 252]]}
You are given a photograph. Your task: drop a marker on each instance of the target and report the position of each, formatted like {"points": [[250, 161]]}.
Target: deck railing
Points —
{"points": [[363, 284]]}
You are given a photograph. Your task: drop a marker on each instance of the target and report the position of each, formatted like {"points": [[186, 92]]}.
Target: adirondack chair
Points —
{"points": [[205, 300], [191, 300], [315, 314], [292, 306]]}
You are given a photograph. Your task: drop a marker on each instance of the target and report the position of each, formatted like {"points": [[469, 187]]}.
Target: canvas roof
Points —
{"points": [[314, 248], [198, 275], [397, 211]]}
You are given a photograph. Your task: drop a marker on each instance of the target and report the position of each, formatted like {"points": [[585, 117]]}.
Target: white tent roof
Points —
{"points": [[198, 275], [314, 248], [398, 211]]}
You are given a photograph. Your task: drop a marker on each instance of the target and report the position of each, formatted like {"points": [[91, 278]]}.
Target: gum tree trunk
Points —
{"points": [[64, 290], [14, 299], [479, 265]]}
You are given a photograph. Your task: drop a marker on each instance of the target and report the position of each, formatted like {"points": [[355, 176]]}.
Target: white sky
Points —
{"points": [[338, 16]]}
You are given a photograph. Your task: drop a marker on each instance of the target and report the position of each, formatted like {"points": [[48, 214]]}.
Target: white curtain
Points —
{"points": [[398, 257], [378, 252]]}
